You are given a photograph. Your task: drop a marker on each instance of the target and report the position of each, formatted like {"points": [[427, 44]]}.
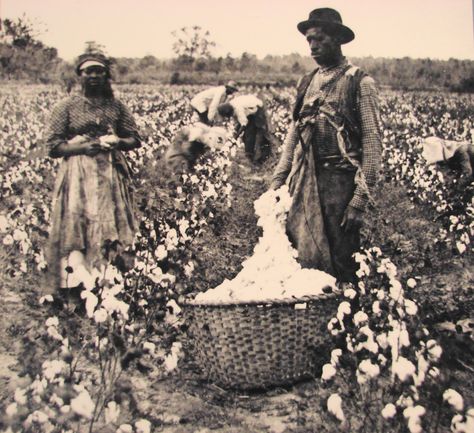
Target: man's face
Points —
{"points": [[324, 47]]}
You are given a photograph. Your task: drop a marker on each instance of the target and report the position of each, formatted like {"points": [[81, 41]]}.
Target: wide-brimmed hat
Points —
{"points": [[92, 59], [232, 85], [330, 20]]}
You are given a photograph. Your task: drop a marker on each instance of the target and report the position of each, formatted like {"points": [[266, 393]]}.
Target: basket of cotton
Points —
{"points": [[268, 326]]}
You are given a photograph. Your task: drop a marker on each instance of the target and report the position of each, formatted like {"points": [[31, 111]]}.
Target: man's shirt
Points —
{"points": [[369, 120], [244, 106], [208, 100]]}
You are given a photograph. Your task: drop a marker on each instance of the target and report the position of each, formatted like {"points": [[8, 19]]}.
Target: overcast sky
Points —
{"points": [[133, 28]]}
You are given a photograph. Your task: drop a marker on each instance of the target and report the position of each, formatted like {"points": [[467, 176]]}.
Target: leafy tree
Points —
{"points": [[191, 44], [22, 55]]}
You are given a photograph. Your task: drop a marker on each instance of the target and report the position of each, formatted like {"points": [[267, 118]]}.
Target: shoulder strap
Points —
{"points": [[301, 91]]}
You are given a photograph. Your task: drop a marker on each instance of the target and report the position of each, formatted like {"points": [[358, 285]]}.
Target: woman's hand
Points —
{"points": [[87, 146], [78, 145], [109, 142]]}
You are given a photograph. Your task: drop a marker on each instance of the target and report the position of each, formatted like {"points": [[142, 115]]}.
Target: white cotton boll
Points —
{"points": [[334, 406], [359, 258], [125, 428], [8, 240], [143, 426], [111, 304], [434, 350], [328, 372], [52, 321], [363, 270], [414, 425], [350, 293], [171, 360], [46, 298], [83, 405], [411, 283], [369, 344], [112, 412], [344, 309], [53, 368], [91, 302], [403, 368], [389, 411], [376, 308], [176, 309], [100, 315], [11, 409], [459, 424], [160, 252], [335, 355], [149, 347], [360, 317], [4, 224], [404, 338], [368, 368], [396, 291], [454, 399], [20, 396], [19, 235], [80, 275], [413, 414], [410, 307]]}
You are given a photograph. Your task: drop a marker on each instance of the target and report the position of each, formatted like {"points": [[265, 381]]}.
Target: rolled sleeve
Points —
{"points": [[219, 97], [126, 125], [57, 131], [369, 115], [240, 114]]}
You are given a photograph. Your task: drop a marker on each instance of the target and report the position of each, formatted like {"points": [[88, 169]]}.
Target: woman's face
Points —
{"points": [[94, 77]]}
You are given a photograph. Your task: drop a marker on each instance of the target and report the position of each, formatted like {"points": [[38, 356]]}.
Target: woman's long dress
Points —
{"points": [[92, 199]]}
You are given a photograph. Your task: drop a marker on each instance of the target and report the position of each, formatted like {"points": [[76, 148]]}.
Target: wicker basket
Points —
{"points": [[250, 346]]}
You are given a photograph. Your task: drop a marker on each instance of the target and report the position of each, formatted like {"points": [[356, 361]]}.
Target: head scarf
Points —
{"points": [[92, 59]]}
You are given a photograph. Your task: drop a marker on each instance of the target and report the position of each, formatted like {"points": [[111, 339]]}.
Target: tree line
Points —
{"points": [[24, 57]]}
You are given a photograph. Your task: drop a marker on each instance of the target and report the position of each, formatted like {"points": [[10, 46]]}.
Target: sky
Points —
{"points": [[438, 29]]}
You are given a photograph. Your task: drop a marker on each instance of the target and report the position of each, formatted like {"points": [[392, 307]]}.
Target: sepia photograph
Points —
{"points": [[236, 217]]}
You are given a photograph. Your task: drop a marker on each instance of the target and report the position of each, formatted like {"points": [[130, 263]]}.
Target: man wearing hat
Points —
{"points": [[331, 155], [205, 103]]}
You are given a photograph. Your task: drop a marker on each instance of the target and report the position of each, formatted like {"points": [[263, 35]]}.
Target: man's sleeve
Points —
{"points": [[240, 114], [216, 100], [369, 115]]}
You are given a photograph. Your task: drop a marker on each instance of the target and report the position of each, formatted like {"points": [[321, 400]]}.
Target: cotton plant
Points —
{"points": [[384, 366], [405, 128], [79, 384]]}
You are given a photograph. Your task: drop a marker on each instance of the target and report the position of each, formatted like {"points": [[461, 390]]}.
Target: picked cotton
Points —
{"points": [[272, 272]]}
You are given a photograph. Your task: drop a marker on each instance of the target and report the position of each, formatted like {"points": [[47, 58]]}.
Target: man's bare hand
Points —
{"points": [[353, 219]]}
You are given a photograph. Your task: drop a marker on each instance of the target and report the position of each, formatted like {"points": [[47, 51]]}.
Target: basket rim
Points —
{"points": [[263, 303]]}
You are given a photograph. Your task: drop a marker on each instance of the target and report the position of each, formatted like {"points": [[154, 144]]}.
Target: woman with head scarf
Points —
{"points": [[92, 199]]}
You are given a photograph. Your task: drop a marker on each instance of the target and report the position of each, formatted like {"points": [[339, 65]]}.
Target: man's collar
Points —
{"points": [[342, 62]]}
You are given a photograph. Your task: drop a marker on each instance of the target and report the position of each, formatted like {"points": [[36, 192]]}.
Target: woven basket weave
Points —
{"points": [[251, 346]]}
